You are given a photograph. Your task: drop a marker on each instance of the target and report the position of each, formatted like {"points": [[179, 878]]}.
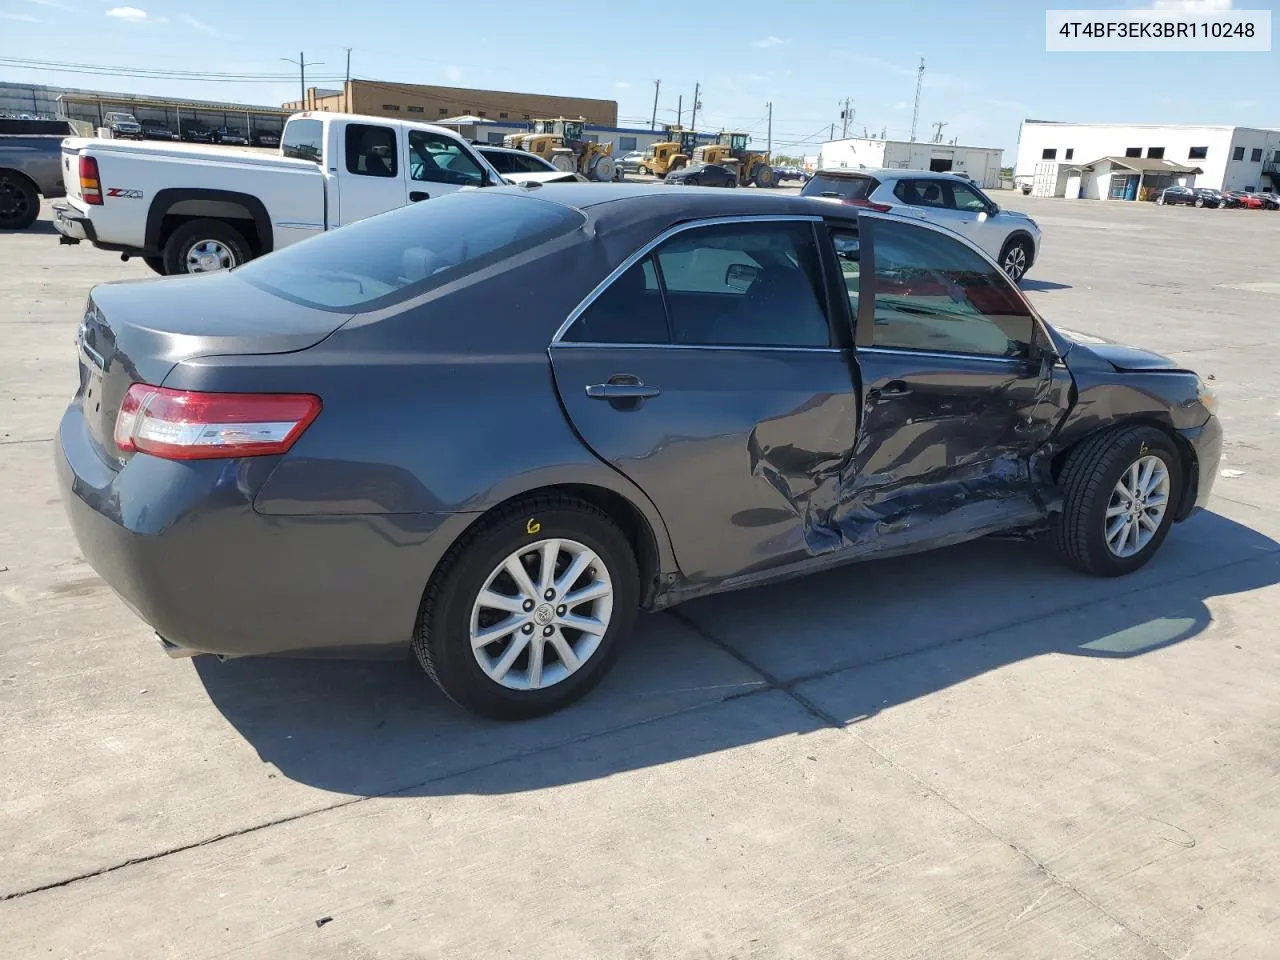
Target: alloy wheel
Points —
{"points": [[209, 256], [541, 614], [1015, 262], [1137, 506]]}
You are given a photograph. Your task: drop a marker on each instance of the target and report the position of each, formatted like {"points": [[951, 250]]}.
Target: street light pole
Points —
{"points": [[301, 64]]}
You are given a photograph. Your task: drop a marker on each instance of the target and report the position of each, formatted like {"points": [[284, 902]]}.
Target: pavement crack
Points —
{"points": [[9, 443]]}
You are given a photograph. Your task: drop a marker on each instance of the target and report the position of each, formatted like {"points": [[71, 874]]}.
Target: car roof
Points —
{"points": [[496, 148], [888, 173], [667, 203]]}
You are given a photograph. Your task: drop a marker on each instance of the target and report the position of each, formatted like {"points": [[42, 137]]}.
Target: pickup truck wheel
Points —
{"points": [[155, 263], [19, 202], [205, 246], [1121, 490]]}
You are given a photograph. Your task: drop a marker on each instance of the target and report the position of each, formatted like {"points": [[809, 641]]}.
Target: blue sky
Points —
{"points": [[986, 65]]}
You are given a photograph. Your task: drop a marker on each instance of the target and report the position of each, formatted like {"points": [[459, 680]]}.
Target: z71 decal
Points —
{"points": [[122, 192]]}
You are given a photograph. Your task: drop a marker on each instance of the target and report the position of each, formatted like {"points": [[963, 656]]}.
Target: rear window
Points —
{"points": [[382, 260], [839, 185], [302, 139]]}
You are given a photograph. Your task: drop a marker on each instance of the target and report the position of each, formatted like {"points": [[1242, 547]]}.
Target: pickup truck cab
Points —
{"points": [[192, 209]]}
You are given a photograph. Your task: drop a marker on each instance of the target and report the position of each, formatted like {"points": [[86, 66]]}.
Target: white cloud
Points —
{"points": [[622, 84], [1192, 6], [200, 25], [454, 74], [132, 14], [770, 42], [20, 17]]}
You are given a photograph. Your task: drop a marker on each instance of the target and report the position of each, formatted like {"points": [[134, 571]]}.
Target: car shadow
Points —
{"points": [[1043, 285], [40, 227], [379, 728]]}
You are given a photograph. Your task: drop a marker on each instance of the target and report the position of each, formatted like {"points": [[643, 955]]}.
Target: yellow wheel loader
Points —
{"points": [[731, 150], [562, 143], [670, 154]]}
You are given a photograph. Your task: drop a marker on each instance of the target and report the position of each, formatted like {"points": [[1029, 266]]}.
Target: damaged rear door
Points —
{"points": [[956, 398], [710, 373]]}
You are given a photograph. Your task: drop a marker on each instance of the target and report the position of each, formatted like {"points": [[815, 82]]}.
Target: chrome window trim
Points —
{"points": [[594, 345], [944, 355], [649, 247]]}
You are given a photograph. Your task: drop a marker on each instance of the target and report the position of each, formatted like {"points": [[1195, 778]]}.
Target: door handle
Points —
{"points": [[622, 391], [891, 391], [416, 195]]}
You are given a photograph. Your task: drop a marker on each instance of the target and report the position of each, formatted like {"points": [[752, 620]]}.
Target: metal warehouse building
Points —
{"points": [[980, 164], [1112, 161]]}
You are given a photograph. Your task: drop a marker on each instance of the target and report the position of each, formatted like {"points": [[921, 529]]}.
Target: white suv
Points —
{"points": [[1011, 239]]}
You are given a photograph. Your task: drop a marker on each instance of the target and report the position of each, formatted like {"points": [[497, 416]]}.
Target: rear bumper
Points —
{"points": [[71, 223], [1206, 442], [182, 545]]}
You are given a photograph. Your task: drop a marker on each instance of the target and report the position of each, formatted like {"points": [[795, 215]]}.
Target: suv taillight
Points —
{"points": [[870, 205], [187, 425], [90, 185]]}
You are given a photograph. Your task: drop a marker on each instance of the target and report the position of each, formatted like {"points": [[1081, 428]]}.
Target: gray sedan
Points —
{"points": [[490, 428]]}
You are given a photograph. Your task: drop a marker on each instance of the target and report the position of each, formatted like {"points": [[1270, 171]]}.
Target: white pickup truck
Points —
{"points": [[198, 209]]}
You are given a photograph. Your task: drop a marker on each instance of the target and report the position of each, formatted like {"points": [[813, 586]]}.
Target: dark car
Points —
{"points": [[489, 427], [1208, 197], [232, 136], [1178, 195], [1271, 200], [266, 139], [703, 175], [155, 130], [194, 134]]}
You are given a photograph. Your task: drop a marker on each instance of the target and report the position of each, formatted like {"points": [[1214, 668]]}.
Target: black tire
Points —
{"points": [[180, 242], [1012, 269], [1199, 201], [764, 177], [693, 182], [155, 263], [1089, 476], [19, 202], [677, 164], [442, 639]]}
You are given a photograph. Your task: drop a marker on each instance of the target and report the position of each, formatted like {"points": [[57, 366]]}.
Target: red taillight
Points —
{"points": [[186, 425], [90, 185], [870, 205]]}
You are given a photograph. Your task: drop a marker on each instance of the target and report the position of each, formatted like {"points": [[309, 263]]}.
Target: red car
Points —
{"points": [[1248, 200]]}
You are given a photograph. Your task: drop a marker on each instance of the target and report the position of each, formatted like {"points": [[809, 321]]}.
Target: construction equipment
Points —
{"points": [[562, 143], [671, 153], [730, 149]]}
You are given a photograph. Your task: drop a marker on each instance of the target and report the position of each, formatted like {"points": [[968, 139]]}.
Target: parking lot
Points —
{"points": [[974, 753]]}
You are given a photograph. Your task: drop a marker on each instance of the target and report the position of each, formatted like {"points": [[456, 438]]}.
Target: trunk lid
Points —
{"points": [[137, 331]]}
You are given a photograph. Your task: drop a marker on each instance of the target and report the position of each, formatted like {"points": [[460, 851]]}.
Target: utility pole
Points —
{"points": [[846, 117], [653, 121], [831, 134], [301, 64], [346, 87], [680, 110], [768, 150], [915, 114], [693, 118], [937, 130]]}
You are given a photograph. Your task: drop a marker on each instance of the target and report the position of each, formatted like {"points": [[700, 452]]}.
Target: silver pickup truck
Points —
{"points": [[30, 168]]}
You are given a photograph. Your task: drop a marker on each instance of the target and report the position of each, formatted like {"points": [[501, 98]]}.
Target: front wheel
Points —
{"points": [[528, 612], [1199, 201], [155, 263], [1015, 259], [764, 176], [1121, 491], [205, 246]]}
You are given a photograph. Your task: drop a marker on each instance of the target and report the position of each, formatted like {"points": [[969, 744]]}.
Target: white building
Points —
{"points": [[980, 164], [1119, 161]]}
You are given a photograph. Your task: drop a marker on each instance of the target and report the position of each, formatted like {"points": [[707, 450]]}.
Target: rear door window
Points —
{"points": [[382, 260], [371, 150], [629, 311]]}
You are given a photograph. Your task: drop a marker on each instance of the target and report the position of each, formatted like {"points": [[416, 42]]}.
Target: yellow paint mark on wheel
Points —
{"points": [[532, 527]]}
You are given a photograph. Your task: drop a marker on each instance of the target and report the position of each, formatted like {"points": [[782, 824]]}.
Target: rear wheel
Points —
{"points": [[764, 176], [155, 263], [205, 246], [19, 202], [1199, 201], [1121, 490], [528, 612]]}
